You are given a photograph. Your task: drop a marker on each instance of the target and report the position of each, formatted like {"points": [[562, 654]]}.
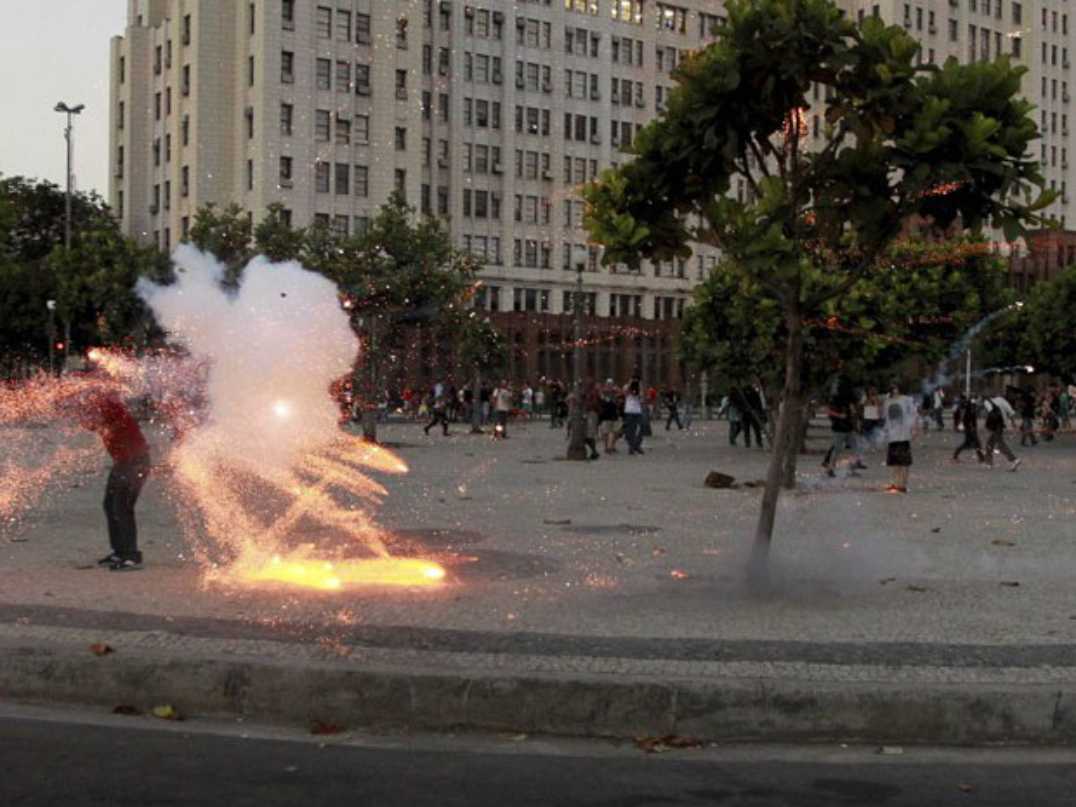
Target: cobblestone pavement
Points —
{"points": [[625, 562]]}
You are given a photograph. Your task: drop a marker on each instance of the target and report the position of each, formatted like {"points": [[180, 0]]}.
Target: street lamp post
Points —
{"points": [[70, 111], [577, 449], [51, 306]]}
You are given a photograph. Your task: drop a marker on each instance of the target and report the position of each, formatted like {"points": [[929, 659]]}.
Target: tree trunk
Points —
{"points": [[476, 404], [787, 423], [795, 441], [369, 424]]}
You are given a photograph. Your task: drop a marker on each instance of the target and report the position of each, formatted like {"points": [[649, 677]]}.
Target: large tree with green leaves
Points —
{"points": [[900, 140], [1047, 325]]}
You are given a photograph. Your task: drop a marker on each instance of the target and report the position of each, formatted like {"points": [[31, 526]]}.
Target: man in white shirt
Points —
{"points": [[901, 424], [502, 405]]}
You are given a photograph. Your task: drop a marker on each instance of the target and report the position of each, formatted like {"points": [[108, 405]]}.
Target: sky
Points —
{"points": [[50, 52]]}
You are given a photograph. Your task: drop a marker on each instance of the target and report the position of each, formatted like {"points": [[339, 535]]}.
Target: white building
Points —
{"points": [[488, 112]]}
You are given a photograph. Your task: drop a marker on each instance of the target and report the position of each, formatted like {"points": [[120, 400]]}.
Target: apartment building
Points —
{"points": [[488, 113]]}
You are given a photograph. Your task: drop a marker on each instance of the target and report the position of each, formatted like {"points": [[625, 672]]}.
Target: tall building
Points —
{"points": [[489, 113]]}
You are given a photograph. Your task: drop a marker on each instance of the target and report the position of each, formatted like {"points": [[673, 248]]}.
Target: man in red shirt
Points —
{"points": [[105, 414]]}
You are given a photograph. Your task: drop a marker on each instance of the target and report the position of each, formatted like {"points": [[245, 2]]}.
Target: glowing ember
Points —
{"points": [[281, 409], [335, 575]]}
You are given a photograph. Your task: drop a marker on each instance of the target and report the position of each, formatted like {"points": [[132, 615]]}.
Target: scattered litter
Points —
{"points": [[964, 788], [559, 522], [935, 529], [891, 750], [658, 551], [886, 580], [1010, 583], [322, 727], [101, 649], [1003, 542], [126, 709], [291, 769], [669, 742], [514, 738], [19, 540], [166, 712], [678, 574], [716, 479], [918, 588]]}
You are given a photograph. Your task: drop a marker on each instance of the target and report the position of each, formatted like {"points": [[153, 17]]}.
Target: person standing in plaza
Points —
{"points": [[900, 424], [731, 408], [752, 414], [502, 407], [672, 404], [633, 417], [997, 411], [841, 437], [593, 403], [969, 419], [439, 410], [1027, 418], [872, 417], [527, 400], [609, 417], [105, 414]]}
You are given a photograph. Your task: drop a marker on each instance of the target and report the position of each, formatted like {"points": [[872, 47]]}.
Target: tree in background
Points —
{"points": [[227, 234], [900, 140], [1047, 327], [484, 349], [92, 283]]}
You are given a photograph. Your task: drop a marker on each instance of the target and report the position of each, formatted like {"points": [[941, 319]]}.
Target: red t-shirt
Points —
{"points": [[118, 429]]}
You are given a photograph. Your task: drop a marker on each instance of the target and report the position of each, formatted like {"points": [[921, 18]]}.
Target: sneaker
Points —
{"points": [[125, 565], [1014, 465], [108, 560]]}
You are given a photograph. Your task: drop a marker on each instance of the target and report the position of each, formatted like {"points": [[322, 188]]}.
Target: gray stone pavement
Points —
{"points": [[624, 570]]}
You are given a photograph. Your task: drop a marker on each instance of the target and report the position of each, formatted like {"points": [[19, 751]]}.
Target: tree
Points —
{"points": [[227, 235], [1049, 326], [484, 349], [276, 239], [944, 144], [401, 274]]}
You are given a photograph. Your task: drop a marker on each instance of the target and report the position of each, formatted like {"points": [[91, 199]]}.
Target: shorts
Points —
{"points": [[899, 453], [607, 427]]}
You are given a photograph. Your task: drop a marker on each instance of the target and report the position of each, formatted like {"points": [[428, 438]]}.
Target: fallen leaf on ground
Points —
{"points": [[126, 709], [669, 742], [101, 649], [1010, 583], [1003, 542], [917, 588], [166, 712], [321, 727]]}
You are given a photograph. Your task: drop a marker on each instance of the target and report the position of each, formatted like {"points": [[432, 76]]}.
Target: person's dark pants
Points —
{"points": [[438, 417], [121, 493], [674, 414], [997, 440], [501, 418], [735, 426], [750, 423], [1027, 432], [633, 432], [971, 440]]}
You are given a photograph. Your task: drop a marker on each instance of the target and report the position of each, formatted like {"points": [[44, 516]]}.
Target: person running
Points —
{"points": [[105, 414], [900, 420], [969, 419], [997, 409], [633, 417], [439, 411], [672, 403], [842, 439]]}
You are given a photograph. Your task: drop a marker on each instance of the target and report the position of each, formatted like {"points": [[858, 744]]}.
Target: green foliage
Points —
{"points": [[1048, 327], [481, 346], [276, 239], [92, 283], [227, 235]]}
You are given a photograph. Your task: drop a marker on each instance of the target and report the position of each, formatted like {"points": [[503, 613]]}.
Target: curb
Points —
{"points": [[773, 710]]}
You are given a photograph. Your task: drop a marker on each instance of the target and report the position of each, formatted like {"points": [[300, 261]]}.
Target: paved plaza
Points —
{"points": [[622, 567]]}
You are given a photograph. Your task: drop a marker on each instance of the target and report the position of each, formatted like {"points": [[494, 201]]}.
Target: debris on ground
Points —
{"points": [[101, 649], [668, 742], [718, 480]]}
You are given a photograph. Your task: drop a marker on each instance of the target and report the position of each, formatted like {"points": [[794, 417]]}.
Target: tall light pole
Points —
{"points": [[70, 111], [577, 449]]}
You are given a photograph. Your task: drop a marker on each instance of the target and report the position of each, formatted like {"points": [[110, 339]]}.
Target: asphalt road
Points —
{"points": [[52, 757]]}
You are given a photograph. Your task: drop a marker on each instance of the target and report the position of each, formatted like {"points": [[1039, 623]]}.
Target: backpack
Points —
{"points": [[995, 422]]}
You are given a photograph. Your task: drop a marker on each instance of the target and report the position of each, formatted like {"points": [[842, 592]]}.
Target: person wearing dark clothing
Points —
{"points": [[1027, 418], [672, 403], [842, 439], [995, 424], [439, 408], [106, 415], [969, 417], [752, 415]]}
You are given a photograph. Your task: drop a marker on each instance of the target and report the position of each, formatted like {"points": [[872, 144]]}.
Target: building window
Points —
{"points": [[250, 175], [185, 181], [287, 14], [324, 22], [400, 182], [343, 76], [343, 179], [287, 112], [624, 10], [287, 67], [250, 71], [321, 125], [185, 130], [401, 138], [324, 74], [343, 131], [285, 171], [185, 37], [120, 115], [343, 25], [362, 181], [362, 29], [361, 129], [321, 177]]}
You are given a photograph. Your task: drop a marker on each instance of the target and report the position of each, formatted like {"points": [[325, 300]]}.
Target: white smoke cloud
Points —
{"points": [[273, 349]]}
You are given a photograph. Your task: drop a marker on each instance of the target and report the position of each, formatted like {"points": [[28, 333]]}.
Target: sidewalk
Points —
{"points": [[598, 598]]}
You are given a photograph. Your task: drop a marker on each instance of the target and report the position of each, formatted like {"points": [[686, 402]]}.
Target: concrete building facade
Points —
{"points": [[489, 113]]}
